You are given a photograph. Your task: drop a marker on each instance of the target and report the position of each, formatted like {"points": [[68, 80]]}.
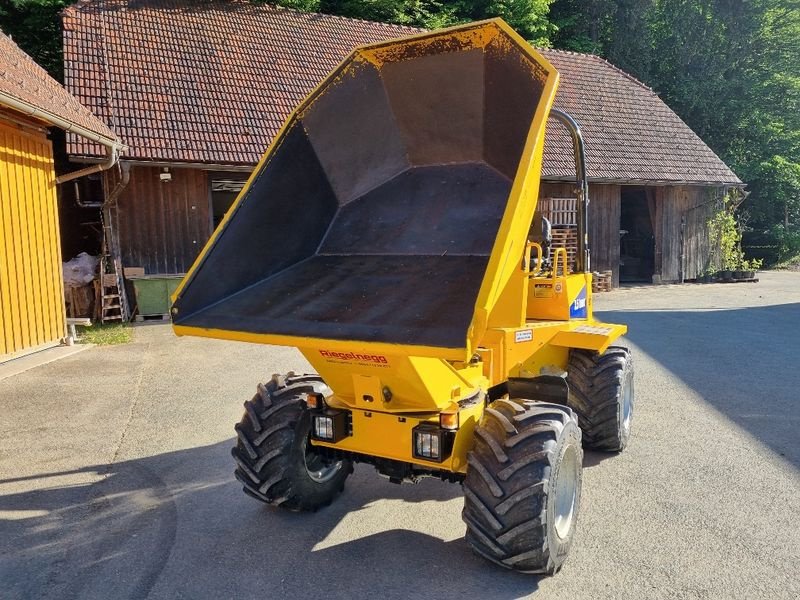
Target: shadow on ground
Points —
{"points": [[742, 361], [142, 530], [144, 527]]}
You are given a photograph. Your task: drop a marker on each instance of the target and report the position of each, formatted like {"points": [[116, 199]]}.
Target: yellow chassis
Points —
{"points": [[422, 388], [524, 323]]}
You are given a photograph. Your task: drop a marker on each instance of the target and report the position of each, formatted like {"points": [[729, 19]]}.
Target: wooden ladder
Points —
{"points": [[114, 305]]}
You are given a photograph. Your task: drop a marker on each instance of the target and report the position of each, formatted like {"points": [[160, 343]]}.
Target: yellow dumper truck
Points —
{"points": [[387, 234]]}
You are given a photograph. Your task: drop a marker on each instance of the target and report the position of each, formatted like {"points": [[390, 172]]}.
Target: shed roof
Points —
{"points": [[630, 133], [183, 82], [26, 87]]}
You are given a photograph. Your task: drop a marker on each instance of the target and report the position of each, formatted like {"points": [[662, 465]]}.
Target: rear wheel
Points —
{"points": [[523, 485], [601, 392], [276, 462]]}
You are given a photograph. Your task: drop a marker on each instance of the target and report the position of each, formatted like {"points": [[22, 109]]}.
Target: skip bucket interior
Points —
{"points": [[373, 215]]}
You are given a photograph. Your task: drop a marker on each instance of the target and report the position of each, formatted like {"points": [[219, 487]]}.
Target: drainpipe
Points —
{"points": [[125, 168], [113, 146], [110, 230], [112, 157], [126, 177]]}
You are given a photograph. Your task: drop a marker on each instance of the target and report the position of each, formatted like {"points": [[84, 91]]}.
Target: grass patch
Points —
{"points": [[106, 335]]}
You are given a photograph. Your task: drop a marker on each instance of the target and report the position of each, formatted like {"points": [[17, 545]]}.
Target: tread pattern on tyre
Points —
{"points": [[266, 455], [596, 384], [506, 486]]}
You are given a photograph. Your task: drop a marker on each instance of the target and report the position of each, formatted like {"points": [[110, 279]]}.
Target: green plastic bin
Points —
{"points": [[153, 293]]}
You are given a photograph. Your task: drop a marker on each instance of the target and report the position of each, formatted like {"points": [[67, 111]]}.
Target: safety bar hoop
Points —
{"points": [[583, 259], [527, 264], [564, 266]]}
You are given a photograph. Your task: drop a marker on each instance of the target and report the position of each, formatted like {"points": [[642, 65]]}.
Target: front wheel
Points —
{"points": [[523, 485], [276, 462], [601, 392]]}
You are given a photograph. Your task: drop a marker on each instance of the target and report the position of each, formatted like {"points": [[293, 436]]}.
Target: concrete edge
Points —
{"points": [[30, 361]]}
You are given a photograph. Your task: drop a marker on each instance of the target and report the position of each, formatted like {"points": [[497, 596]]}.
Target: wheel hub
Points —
{"points": [[318, 469], [566, 492], [627, 406]]}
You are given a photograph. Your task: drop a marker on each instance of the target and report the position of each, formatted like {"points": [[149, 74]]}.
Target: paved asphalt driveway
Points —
{"points": [[116, 479]]}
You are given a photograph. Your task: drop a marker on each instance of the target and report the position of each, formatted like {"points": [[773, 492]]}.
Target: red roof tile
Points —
{"points": [[630, 133], [26, 82], [213, 82]]}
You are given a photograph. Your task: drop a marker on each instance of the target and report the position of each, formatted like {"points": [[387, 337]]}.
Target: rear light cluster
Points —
{"points": [[327, 424], [323, 427], [331, 425], [431, 442]]}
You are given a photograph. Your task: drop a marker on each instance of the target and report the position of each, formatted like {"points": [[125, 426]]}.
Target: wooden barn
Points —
{"points": [[32, 315], [197, 91]]}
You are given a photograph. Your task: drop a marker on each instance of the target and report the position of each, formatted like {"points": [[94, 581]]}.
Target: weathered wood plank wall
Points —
{"points": [[162, 226], [697, 248], [604, 217], [683, 215], [674, 202]]}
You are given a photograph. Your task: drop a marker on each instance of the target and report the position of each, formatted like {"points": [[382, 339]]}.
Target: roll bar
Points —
{"points": [[583, 259]]}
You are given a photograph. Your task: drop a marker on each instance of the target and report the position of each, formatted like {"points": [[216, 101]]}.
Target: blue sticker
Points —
{"points": [[577, 309]]}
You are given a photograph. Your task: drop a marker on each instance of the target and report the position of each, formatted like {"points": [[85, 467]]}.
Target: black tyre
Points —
{"points": [[601, 392], [275, 461], [523, 485]]}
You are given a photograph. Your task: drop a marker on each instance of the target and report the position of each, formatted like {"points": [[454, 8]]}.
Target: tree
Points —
{"points": [[580, 25], [730, 70], [528, 17], [618, 30], [35, 26], [628, 43]]}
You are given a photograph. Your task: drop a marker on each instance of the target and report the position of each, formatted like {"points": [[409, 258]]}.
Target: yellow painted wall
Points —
{"points": [[31, 286]]}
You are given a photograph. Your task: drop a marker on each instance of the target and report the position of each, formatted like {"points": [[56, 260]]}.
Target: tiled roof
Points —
{"points": [[630, 133], [26, 82], [212, 82], [205, 82]]}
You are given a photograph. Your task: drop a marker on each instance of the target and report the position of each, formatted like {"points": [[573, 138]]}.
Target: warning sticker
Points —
{"points": [[523, 335]]}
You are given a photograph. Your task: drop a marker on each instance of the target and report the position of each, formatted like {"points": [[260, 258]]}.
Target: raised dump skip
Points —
{"points": [[373, 216]]}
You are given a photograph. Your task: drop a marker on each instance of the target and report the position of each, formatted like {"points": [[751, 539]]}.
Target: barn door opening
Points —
{"points": [[225, 187], [637, 242]]}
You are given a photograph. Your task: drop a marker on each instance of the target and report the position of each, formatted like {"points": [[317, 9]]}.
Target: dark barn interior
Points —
{"points": [[637, 242]]}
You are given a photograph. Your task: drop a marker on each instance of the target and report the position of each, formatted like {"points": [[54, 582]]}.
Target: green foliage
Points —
{"points": [[726, 238], [754, 264], [35, 26], [528, 17], [788, 243], [415, 13], [615, 29], [579, 24], [725, 233], [730, 69]]}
